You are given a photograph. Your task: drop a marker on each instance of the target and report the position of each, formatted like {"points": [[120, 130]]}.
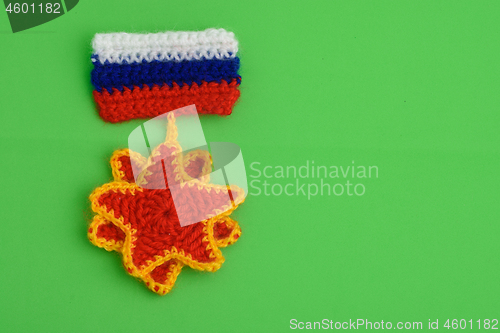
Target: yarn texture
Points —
{"points": [[171, 45], [145, 75], [142, 224]]}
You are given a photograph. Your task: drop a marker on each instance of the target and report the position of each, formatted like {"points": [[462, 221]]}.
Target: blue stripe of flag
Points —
{"points": [[117, 76]]}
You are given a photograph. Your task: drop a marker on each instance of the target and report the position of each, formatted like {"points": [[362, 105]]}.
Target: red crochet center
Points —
{"points": [[146, 102], [126, 168], [111, 232], [152, 213], [159, 274], [221, 230]]}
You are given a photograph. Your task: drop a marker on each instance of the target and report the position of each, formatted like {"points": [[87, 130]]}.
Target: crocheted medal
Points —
{"points": [[139, 220], [146, 75]]}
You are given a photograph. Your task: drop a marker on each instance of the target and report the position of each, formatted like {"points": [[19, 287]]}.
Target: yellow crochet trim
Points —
{"points": [[233, 236], [108, 245]]}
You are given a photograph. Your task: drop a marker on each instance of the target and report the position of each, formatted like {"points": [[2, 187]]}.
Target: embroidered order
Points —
{"points": [[145, 75], [142, 224]]}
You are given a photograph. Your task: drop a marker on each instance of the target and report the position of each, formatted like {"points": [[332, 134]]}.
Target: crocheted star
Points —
{"points": [[143, 225]]}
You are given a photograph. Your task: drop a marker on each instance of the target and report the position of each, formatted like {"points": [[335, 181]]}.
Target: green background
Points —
{"points": [[408, 86]]}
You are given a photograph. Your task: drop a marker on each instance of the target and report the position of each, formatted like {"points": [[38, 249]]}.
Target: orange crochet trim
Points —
{"points": [[142, 224]]}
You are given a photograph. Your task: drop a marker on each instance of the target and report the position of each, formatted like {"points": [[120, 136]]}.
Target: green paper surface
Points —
{"points": [[411, 87]]}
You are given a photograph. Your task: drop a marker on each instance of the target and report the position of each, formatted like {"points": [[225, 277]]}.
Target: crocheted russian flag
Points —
{"points": [[145, 75]]}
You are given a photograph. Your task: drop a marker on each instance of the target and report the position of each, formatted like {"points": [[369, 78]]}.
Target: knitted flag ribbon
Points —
{"points": [[145, 75]]}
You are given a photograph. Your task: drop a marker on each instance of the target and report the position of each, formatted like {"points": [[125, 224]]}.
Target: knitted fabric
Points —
{"points": [[145, 75], [143, 225]]}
